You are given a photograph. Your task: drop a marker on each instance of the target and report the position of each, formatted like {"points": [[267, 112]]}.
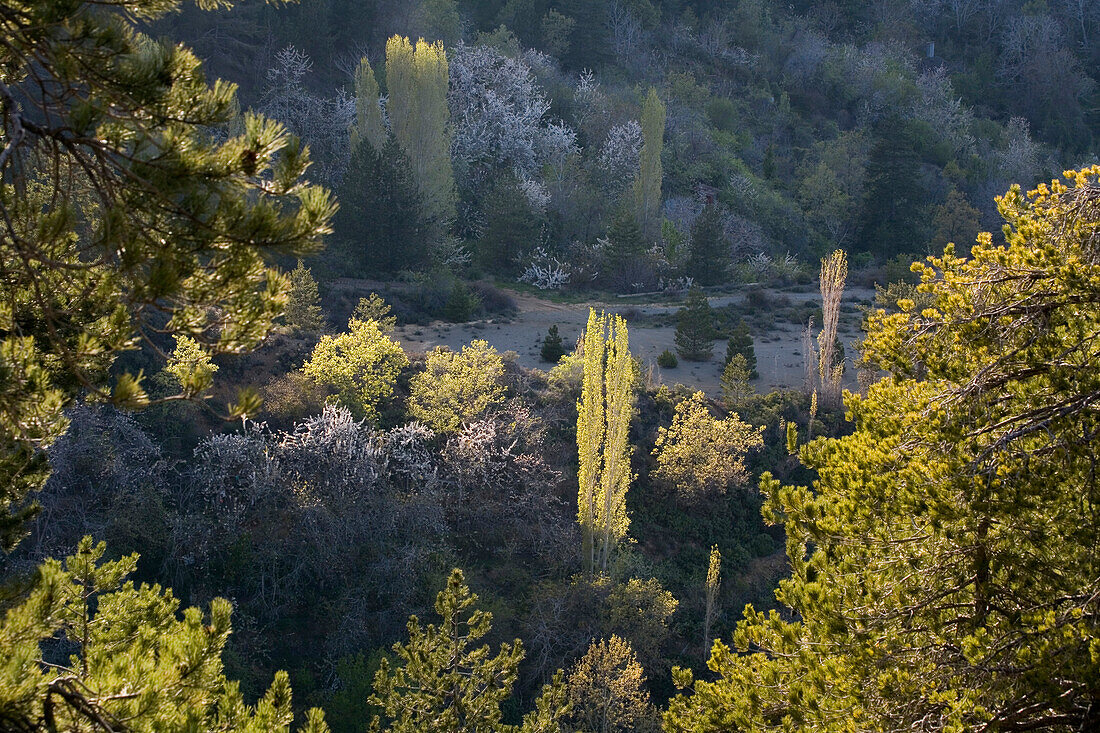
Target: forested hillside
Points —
{"points": [[227, 473]]}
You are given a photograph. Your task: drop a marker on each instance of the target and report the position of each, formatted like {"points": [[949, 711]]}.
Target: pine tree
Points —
{"points": [[374, 308], [368, 126], [943, 564], [189, 367], [709, 255], [736, 389], [740, 342], [133, 661], [417, 81], [647, 184], [695, 328], [625, 243], [123, 215], [445, 684], [552, 347], [603, 425], [303, 309], [380, 227]]}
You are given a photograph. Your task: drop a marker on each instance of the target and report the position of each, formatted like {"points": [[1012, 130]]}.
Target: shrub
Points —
{"points": [[455, 388], [667, 360], [461, 304], [700, 456], [361, 366]]}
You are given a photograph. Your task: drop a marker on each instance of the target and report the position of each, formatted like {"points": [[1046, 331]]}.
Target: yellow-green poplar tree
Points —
{"points": [[834, 271], [603, 424], [417, 81], [368, 123], [647, 184], [714, 582]]}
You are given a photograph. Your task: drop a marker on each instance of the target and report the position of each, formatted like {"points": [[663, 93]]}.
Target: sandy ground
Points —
{"points": [[778, 352]]}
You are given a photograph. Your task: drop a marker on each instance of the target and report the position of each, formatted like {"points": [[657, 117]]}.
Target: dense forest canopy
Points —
{"points": [[234, 236]]}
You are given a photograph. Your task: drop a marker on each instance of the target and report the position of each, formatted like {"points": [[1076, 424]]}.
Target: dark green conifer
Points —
{"points": [[740, 342], [695, 328]]}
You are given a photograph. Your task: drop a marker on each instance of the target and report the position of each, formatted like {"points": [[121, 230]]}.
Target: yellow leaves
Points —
{"points": [[361, 365], [698, 455], [456, 388], [603, 423]]}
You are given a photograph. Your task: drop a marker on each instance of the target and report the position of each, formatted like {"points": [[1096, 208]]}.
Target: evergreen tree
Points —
{"points": [[552, 347], [944, 564], [625, 256], [440, 21], [603, 425], [695, 328], [303, 309], [709, 256], [647, 184], [380, 228], [123, 215], [511, 227], [374, 308], [133, 661], [189, 367], [740, 342], [736, 389], [445, 684], [368, 126], [894, 219], [416, 78], [955, 221]]}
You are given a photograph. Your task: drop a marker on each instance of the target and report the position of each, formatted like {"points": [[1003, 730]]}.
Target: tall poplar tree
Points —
{"points": [[603, 424], [417, 80], [368, 125], [647, 184]]}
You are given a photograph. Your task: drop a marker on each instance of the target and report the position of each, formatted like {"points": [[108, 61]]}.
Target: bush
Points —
{"points": [[700, 456], [361, 365], [667, 360], [456, 388]]}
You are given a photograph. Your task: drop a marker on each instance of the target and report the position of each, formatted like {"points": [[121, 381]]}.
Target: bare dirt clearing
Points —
{"points": [[652, 330]]}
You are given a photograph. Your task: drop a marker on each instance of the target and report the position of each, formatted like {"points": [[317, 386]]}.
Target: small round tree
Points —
{"points": [[361, 365], [455, 388], [700, 456]]}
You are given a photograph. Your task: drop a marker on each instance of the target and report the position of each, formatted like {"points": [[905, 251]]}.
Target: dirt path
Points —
{"points": [[778, 352]]}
